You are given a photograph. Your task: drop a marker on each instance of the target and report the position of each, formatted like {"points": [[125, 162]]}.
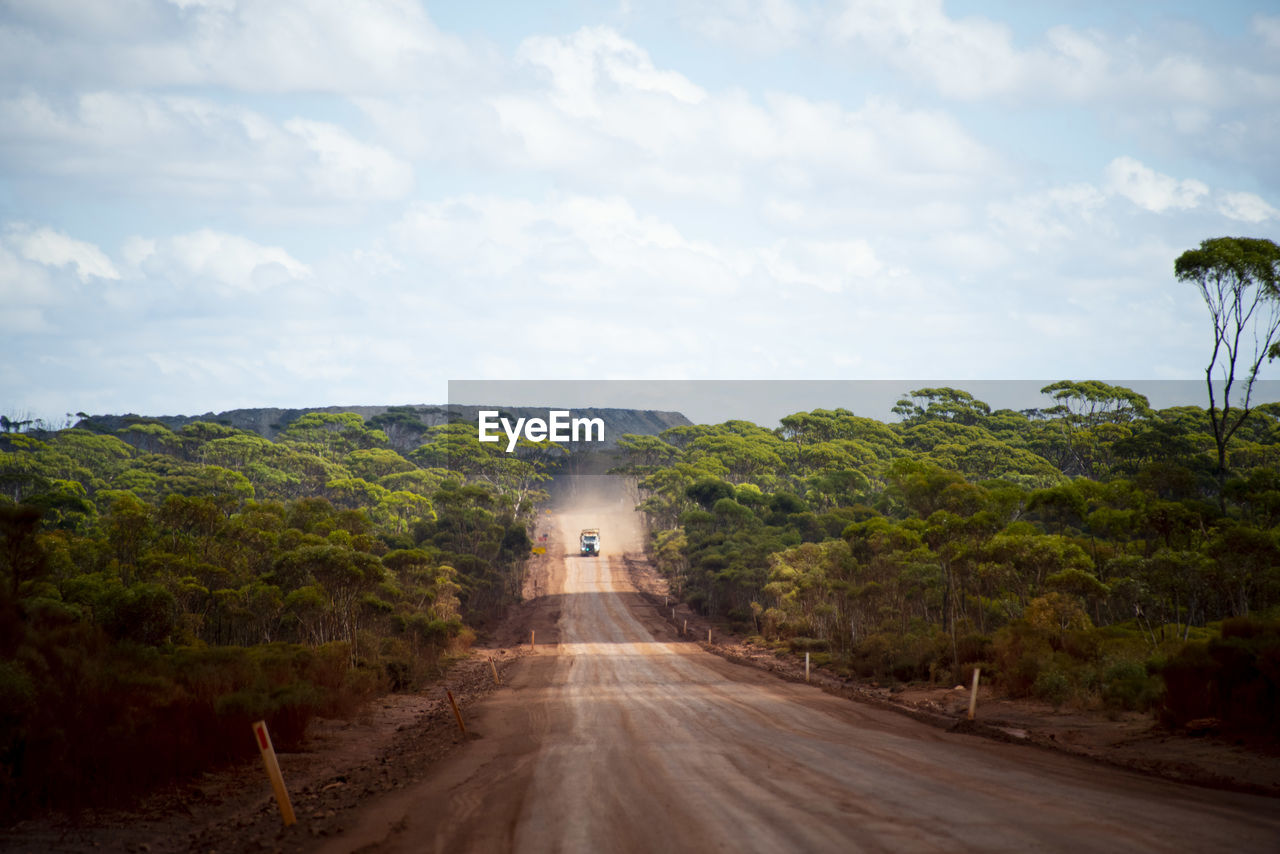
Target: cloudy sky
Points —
{"points": [[207, 204]]}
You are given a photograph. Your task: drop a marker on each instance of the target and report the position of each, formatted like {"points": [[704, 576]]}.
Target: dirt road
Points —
{"points": [[618, 736]]}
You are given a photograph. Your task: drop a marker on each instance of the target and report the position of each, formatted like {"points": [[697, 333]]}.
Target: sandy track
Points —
{"points": [[616, 737]]}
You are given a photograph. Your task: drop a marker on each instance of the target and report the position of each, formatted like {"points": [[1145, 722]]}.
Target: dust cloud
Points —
{"points": [[600, 501]]}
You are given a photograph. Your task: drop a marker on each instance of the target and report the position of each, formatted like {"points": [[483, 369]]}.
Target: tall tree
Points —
{"points": [[23, 558], [1239, 278]]}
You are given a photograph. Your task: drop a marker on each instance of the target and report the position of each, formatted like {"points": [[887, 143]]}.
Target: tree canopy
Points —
{"points": [[1239, 280]]}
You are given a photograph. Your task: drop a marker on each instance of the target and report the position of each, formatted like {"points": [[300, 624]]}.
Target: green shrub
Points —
{"points": [[740, 620], [1189, 685], [904, 658], [913, 655], [144, 613], [1235, 678], [808, 645], [1020, 652], [106, 720], [973, 648], [1053, 686], [17, 694], [1127, 686], [1080, 644], [871, 657], [237, 711], [291, 708]]}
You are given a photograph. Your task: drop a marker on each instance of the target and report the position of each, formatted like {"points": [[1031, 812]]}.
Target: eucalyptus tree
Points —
{"points": [[1239, 279]]}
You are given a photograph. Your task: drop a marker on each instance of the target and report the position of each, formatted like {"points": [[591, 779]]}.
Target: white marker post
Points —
{"points": [[685, 630], [273, 772], [708, 635], [494, 668], [973, 696]]}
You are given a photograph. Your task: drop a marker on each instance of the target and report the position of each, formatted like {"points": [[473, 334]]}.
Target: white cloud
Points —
{"points": [[342, 167], [1177, 85], [649, 130], [976, 57], [137, 250], [1053, 217], [614, 203], [827, 266], [1267, 28], [590, 247], [23, 283], [595, 60], [1152, 190], [218, 5], [763, 26], [249, 45], [22, 321], [196, 148], [1246, 207], [55, 249], [597, 114], [601, 251], [968, 58], [228, 262]]}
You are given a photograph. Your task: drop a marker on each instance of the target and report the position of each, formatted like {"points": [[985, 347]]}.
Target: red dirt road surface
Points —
{"points": [[617, 735]]}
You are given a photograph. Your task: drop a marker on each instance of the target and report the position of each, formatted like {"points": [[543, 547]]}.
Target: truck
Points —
{"points": [[589, 540]]}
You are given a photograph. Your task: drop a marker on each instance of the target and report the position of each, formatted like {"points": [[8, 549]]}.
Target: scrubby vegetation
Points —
{"points": [[160, 591], [1083, 553]]}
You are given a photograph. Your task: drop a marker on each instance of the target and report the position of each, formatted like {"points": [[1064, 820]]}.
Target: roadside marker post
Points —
{"points": [[685, 630], [533, 639], [273, 772], [973, 696], [806, 667], [457, 714], [494, 668], [708, 635]]}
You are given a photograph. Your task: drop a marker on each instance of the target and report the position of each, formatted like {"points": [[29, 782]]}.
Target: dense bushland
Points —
{"points": [[1071, 552], [160, 590]]}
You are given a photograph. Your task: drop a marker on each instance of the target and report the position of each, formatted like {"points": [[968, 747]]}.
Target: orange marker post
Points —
{"points": [[457, 714], [273, 771]]}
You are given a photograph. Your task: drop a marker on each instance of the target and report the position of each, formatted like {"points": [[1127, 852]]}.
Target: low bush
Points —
{"points": [[1235, 678], [1053, 685], [973, 648], [808, 645], [1020, 652], [903, 658], [1129, 686], [87, 722]]}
